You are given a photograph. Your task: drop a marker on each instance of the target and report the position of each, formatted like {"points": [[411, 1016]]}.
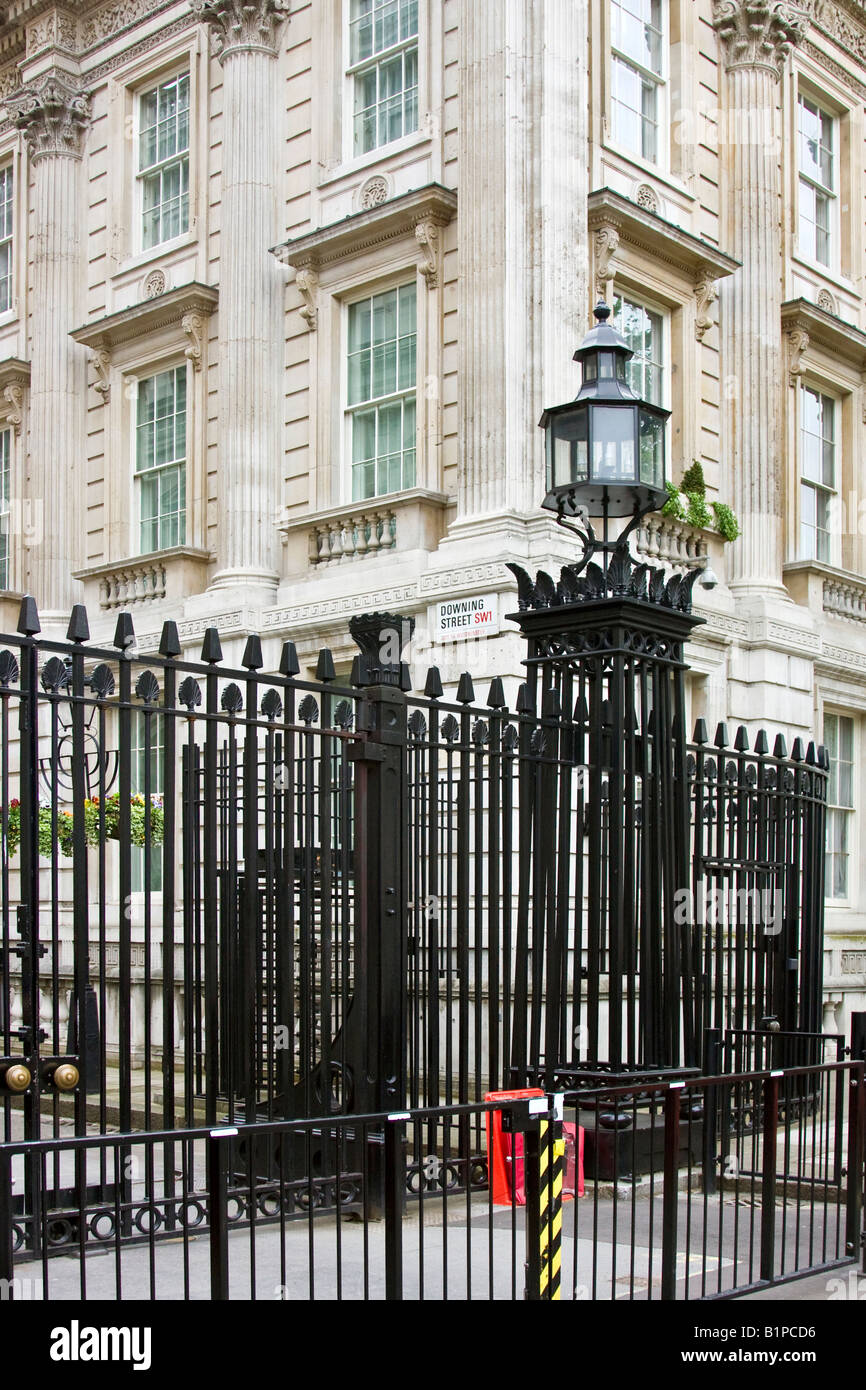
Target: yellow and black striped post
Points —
{"points": [[545, 1164]]}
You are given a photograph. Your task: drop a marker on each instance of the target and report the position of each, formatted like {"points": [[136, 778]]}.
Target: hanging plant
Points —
{"points": [[688, 503], [59, 832]]}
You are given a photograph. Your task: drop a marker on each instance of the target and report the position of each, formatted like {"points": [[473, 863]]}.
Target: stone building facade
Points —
{"points": [[285, 286]]}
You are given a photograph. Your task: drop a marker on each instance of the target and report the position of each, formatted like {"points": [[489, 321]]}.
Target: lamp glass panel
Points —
{"points": [[613, 444], [652, 450], [567, 437]]}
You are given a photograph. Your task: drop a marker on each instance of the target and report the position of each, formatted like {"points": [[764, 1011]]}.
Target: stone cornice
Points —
{"points": [[843, 21], [53, 113], [758, 33], [399, 217], [243, 26], [826, 331], [165, 311], [663, 240]]}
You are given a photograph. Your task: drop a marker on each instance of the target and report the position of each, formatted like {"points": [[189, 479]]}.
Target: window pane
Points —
{"points": [[636, 31], [382, 363]]}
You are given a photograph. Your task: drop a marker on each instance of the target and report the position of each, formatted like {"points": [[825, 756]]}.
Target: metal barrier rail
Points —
{"points": [[400, 1206]]}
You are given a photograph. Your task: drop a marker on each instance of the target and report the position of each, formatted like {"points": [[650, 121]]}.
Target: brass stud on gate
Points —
{"points": [[18, 1078], [66, 1077]]}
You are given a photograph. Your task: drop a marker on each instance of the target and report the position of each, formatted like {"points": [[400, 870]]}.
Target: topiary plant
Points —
{"points": [[695, 510]]}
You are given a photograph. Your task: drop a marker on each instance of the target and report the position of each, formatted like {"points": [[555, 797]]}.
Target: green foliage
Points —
{"points": [[59, 831], [697, 512], [693, 480], [673, 507], [726, 523]]}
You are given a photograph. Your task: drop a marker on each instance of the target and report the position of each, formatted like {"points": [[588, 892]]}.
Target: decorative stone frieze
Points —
{"points": [[758, 33], [54, 114], [243, 25]]}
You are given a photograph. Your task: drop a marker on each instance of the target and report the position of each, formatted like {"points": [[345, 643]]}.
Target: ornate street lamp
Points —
{"points": [[606, 449]]}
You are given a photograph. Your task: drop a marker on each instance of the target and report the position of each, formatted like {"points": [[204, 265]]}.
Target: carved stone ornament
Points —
{"points": [[13, 394], [826, 302], [427, 237], [373, 192], [155, 284], [758, 33], [56, 29], [647, 198], [53, 114], [606, 247], [193, 326], [243, 25], [798, 343], [100, 357], [706, 293], [307, 282]]}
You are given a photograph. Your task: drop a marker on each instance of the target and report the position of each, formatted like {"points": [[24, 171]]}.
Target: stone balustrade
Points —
{"points": [[662, 540], [137, 583], [352, 537], [845, 598]]}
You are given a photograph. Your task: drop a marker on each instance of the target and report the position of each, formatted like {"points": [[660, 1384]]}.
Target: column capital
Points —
{"points": [[243, 25], [54, 113], [758, 33]]}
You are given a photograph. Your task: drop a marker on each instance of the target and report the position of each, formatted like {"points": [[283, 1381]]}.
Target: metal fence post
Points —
{"points": [[854, 1234], [395, 1205], [670, 1192], [381, 853], [6, 1262], [712, 1060], [768, 1175], [218, 1160]]}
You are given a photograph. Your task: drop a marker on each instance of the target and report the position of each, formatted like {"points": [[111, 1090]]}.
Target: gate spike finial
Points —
{"points": [[762, 744], [496, 694], [552, 707], [169, 642], [823, 756], [465, 690], [741, 742], [211, 647], [780, 747], [524, 703], [433, 684], [289, 664], [797, 751], [252, 659], [810, 754], [325, 670], [28, 617], [124, 632], [721, 740], [700, 735], [79, 627]]}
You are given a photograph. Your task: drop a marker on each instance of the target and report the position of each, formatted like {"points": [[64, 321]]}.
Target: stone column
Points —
{"points": [[755, 37], [54, 115], [523, 288], [246, 37]]}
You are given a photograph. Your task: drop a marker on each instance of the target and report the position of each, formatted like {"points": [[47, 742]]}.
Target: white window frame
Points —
{"points": [[6, 505], [650, 307], [140, 92], [661, 82], [349, 411], [9, 240], [352, 70], [136, 474], [832, 191], [850, 812], [834, 556]]}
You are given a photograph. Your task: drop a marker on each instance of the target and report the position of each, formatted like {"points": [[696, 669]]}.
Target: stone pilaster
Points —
{"points": [[523, 291], [246, 38], [755, 37], [53, 114]]}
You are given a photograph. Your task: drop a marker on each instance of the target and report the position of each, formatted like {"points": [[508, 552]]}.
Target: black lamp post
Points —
{"points": [[606, 449]]}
